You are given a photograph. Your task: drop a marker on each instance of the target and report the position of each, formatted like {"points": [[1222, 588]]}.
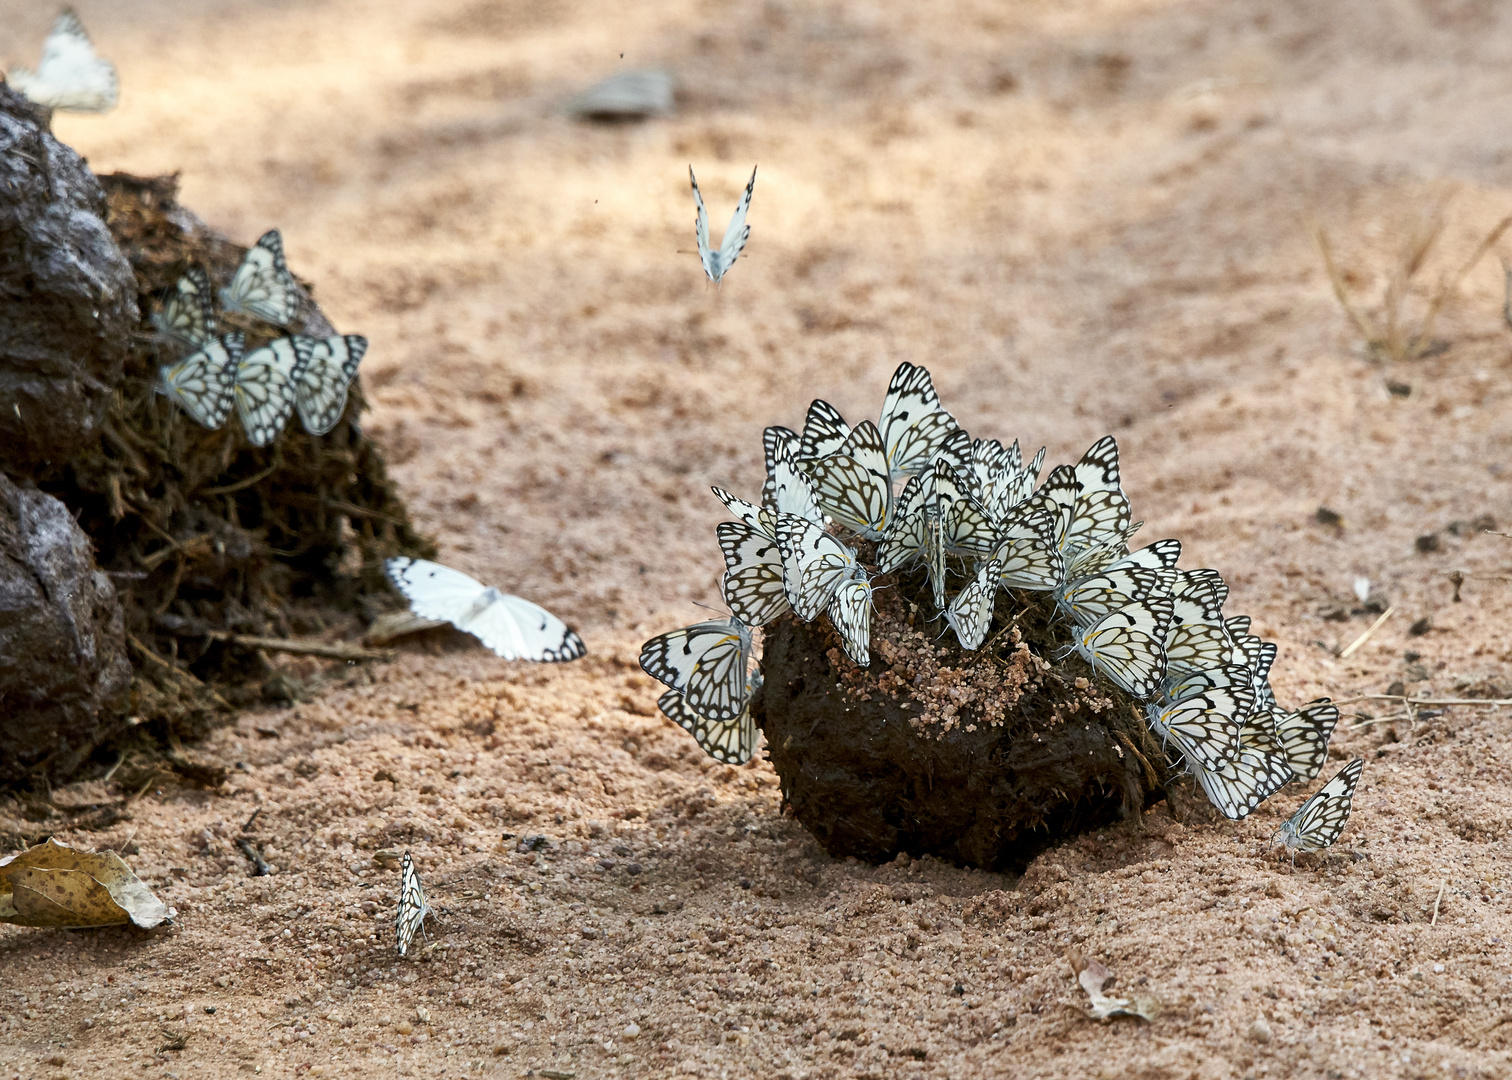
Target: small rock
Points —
{"points": [[1429, 542], [404, 1027], [1260, 1031], [632, 1031], [633, 868]]}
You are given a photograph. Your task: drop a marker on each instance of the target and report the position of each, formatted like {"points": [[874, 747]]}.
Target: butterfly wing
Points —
{"points": [[1027, 552], [738, 232], [970, 613], [265, 386], [1128, 645], [1304, 736], [707, 663], [1089, 599], [853, 485], [1243, 782], [70, 76], [262, 285], [1196, 647], [412, 906], [517, 629], [203, 384], [731, 744], [913, 423], [1321, 819], [434, 591], [321, 388], [906, 535], [1205, 726], [753, 584], [814, 565], [824, 431], [850, 613], [188, 311]]}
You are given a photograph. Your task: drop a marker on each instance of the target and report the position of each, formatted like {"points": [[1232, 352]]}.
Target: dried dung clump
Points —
{"points": [[982, 757]]}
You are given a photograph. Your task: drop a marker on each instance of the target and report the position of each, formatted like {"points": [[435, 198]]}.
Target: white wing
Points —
{"points": [[1245, 781], [71, 76], [412, 906], [751, 515], [824, 430], [1090, 598], [321, 389], [814, 565], [1128, 645], [1204, 727], [512, 627], [753, 582], [707, 663], [717, 263], [263, 286], [850, 613], [1304, 736], [188, 311], [265, 386], [203, 384], [732, 743], [913, 423], [853, 485], [1319, 821], [970, 613]]}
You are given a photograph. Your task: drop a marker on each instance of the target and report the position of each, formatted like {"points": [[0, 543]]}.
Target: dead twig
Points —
{"points": [[1432, 702], [1436, 901], [330, 651], [1354, 646], [260, 867]]}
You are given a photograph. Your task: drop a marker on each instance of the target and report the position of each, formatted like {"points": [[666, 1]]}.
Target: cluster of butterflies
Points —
{"points": [[265, 386], [979, 520], [71, 75]]}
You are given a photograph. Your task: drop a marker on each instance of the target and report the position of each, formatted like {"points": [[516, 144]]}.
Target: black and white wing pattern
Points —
{"points": [[717, 261], [187, 314], [1204, 726], [412, 906], [853, 485], [970, 613], [1199, 597], [730, 743], [1196, 647], [815, 564], [1092, 597], [262, 286], [71, 75], [1319, 821], [850, 613], [913, 423], [203, 384], [708, 663], [753, 516], [265, 386], [1026, 551], [824, 431], [1180, 684], [907, 536], [1243, 782], [320, 391], [512, 627], [1127, 646], [753, 582], [1304, 736]]}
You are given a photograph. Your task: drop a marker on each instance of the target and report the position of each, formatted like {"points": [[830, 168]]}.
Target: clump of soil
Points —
{"points": [[205, 536], [983, 757]]}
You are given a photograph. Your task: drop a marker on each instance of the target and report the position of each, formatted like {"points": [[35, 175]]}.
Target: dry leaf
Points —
{"points": [[1093, 976], [55, 885]]}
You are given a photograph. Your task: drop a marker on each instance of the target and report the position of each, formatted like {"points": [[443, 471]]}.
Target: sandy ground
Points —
{"points": [[1083, 217]]}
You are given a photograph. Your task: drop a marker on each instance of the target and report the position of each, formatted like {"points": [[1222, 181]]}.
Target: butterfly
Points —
{"points": [[188, 311], [1090, 598], [1026, 551], [1094, 510], [320, 390], [824, 430], [1199, 597], [512, 627], [753, 581], [203, 384], [265, 386], [1304, 734], [853, 484], [1246, 780], [936, 517], [731, 743], [1127, 645], [1000, 480], [71, 76], [815, 564], [717, 263], [1203, 726], [913, 423], [412, 906], [262, 286], [1319, 821], [970, 613], [850, 612], [1184, 683], [708, 663], [1195, 647]]}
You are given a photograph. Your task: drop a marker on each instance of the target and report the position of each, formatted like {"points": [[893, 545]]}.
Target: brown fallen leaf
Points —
{"points": [[1093, 976], [55, 885]]}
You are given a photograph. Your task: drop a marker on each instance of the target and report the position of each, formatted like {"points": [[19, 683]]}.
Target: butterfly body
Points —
{"points": [[717, 261], [1320, 820]]}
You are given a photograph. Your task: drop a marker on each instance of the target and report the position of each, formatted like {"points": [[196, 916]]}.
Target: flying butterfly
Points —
{"points": [[708, 663], [512, 627], [1203, 726], [412, 906], [71, 75], [1304, 735], [1319, 821], [320, 390], [970, 613], [187, 314], [203, 384], [1127, 645], [262, 286], [717, 261], [266, 379], [730, 743]]}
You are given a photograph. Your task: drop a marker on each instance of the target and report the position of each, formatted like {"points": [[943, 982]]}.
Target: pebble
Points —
{"points": [[1260, 1031], [632, 1031]]}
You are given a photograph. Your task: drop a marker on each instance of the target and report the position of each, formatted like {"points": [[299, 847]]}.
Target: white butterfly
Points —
{"points": [[263, 286], [753, 581], [1180, 684], [513, 628], [731, 743], [71, 76], [937, 516], [1243, 782], [717, 263], [708, 663], [1319, 821], [265, 386], [188, 311], [815, 565], [412, 906], [850, 612], [1203, 726], [1090, 598], [1094, 510], [1304, 735], [203, 384], [320, 390], [853, 484], [824, 430], [1199, 596], [970, 613], [1127, 645], [1000, 479], [913, 423], [1026, 550], [1196, 647]]}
